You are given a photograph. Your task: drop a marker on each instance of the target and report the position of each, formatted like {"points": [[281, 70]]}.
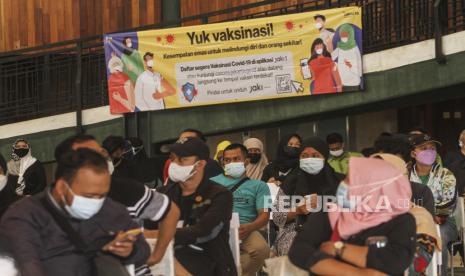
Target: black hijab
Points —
{"points": [[324, 183], [284, 161]]}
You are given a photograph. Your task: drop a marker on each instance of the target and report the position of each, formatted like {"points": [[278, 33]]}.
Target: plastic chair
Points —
{"points": [[166, 266], [432, 269], [234, 242], [459, 215]]}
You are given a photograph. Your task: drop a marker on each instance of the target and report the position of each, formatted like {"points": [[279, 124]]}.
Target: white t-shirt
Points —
{"points": [[147, 84], [349, 76]]}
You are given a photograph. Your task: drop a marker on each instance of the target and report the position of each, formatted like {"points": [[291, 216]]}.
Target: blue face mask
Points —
{"points": [[235, 169], [342, 195]]}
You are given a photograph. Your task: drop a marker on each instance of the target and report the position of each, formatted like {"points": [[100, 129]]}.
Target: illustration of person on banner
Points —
{"points": [[120, 88], [133, 65], [151, 88], [326, 34], [348, 56], [324, 72]]}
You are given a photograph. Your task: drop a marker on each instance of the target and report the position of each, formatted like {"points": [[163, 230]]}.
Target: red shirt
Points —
{"points": [[116, 83], [322, 68]]}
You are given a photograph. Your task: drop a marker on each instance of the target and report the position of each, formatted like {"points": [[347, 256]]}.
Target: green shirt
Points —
{"points": [[424, 179], [135, 61], [248, 198], [341, 164]]}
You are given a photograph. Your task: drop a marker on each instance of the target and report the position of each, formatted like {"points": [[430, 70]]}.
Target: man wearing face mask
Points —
{"points": [[249, 202], [39, 226], [151, 88], [442, 183], [202, 244], [141, 202], [325, 34], [339, 158], [26, 170], [313, 177], [116, 147]]}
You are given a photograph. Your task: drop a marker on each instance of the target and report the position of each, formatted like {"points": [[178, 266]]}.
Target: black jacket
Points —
{"points": [[392, 259], [206, 215], [423, 196], [8, 195], [458, 169], [35, 179], [42, 248]]}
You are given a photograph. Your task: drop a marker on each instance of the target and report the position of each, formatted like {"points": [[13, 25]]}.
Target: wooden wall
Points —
{"points": [[28, 23], [195, 7]]}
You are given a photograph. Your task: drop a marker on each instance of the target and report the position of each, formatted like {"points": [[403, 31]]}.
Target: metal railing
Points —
{"points": [[71, 75]]}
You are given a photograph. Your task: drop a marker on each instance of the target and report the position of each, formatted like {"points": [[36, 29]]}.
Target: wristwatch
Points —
{"points": [[339, 247]]}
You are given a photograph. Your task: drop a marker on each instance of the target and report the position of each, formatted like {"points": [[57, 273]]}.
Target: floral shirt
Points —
{"points": [[442, 183]]}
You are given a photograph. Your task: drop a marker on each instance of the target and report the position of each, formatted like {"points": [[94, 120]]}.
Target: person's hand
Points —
{"points": [[122, 245], [157, 96], [348, 64], [328, 248], [116, 96], [310, 201], [339, 88], [245, 230], [271, 180], [153, 260]]}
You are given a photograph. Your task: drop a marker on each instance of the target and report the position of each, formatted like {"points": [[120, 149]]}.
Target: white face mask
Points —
{"points": [[344, 39], [461, 144], [83, 207], [312, 165], [150, 63], [111, 167], [318, 25], [319, 51], [118, 68], [129, 45], [3, 181], [336, 153], [180, 174], [234, 169]]}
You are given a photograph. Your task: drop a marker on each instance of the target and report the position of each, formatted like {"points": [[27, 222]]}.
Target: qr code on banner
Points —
{"points": [[283, 83]]}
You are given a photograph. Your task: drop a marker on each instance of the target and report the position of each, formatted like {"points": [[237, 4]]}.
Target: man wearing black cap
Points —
{"points": [[442, 183], [202, 244]]}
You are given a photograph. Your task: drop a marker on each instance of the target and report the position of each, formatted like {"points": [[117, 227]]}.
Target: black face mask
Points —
{"points": [[254, 157], [21, 152], [292, 152]]}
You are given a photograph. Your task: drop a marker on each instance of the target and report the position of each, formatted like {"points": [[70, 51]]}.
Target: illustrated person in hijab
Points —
{"points": [[27, 171], [132, 60], [324, 71], [349, 59], [369, 231], [219, 151], [120, 87], [287, 159], [313, 177], [257, 157]]}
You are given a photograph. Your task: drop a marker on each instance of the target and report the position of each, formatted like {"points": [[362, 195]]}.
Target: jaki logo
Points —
{"points": [[255, 88]]}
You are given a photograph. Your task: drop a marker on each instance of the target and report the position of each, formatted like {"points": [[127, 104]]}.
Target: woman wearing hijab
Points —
{"points": [[257, 157], [349, 59], [219, 151], [287, 159], [313, 177], [368, 232], [27, 171]]}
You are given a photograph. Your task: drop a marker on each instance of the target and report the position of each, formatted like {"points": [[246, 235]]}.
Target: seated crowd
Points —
{"points": [[324, 209]]}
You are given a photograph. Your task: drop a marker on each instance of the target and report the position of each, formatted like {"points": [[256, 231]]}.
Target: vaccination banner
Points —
{"points": [[301, 54]]}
